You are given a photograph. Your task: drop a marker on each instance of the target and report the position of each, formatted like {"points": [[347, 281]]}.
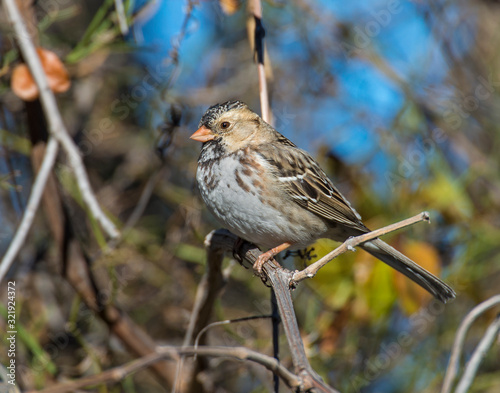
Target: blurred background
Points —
{"points": [[399, 101]]}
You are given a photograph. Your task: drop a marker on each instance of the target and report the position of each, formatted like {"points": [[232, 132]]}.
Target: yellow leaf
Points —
{"points": [[447, 195], [335, 280], [380, 290]]}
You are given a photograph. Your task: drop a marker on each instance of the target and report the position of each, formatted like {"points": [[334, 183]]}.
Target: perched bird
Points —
{"points": [[269, 192]]}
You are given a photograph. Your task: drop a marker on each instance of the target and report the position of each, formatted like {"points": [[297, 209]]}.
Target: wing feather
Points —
{"points": [[308, 185]]}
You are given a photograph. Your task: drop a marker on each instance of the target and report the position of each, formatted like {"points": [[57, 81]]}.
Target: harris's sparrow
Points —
{"points": [[269, 192]]}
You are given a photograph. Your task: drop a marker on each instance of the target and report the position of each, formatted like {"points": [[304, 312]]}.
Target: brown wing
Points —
{"points": [[308, 184]]}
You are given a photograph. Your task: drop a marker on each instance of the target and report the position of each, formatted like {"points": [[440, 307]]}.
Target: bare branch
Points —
{"points": [[456, 353], [206, 294], [227, 322], [143, 201], [223, 241], [255, 8], [352, 242], [280, 281], [81, 278], [31, 208], [478, 355], [122, 18], [55, 123], [118, 373]]}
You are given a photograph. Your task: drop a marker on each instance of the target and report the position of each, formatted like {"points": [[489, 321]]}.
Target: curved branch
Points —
{"points": [[478, 355], [456, 353], [162, 353]]}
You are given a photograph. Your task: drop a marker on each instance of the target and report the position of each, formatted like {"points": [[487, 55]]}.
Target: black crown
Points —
{"points": [[215, 111]]}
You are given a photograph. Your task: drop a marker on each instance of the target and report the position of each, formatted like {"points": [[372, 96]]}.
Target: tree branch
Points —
{"points": [[255, 8], [478, 355], [122, 18], [118, 373], [349, 244], [80, 276], [31, 208], [227, 322], [56, 125], [280, 281], [223, 241], [456, 353], [210, 286]]}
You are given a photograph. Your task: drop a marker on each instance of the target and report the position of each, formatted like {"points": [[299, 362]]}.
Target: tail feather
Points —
{"points": [[381, 250]]}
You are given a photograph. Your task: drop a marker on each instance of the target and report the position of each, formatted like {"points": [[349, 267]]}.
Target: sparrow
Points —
{"points": [[267, 191]]}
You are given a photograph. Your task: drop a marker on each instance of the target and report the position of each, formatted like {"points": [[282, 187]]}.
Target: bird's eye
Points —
{"points": [[225, 124]]}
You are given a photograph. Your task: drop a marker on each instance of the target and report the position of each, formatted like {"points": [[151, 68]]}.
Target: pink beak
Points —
{"points": [[203, 134]]}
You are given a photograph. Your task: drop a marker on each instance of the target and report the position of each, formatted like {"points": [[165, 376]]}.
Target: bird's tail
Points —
{"points": [[381, 250]]}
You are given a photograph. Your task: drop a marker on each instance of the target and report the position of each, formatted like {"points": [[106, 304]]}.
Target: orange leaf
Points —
{"points": [[24, 86], [411, 295], [229, 7]]}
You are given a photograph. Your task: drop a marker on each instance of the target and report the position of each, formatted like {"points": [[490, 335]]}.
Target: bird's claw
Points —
{"points": [[259, 263], [262, 259]]}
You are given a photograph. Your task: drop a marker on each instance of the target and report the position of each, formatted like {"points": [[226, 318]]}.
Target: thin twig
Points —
{"points": [[352, 242], [227, 322], [54, 120], [118, 373], [31, 208], [143, 201], [275, 321], [122, 18], [240, 353], [207, 292], [174, 53], [82, 278], [456, 353], [255, 8], [478, 355]]}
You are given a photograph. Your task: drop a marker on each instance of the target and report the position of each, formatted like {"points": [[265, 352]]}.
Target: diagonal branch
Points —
{"points": [[56, 125], [208, 290], [349, 244], [31, 208], [456, 353], [478, 355], [227, 322], [122, 17]]}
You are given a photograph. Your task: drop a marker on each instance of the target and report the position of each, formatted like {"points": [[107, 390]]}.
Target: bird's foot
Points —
{"points": [[266, 256], [261, 260]]}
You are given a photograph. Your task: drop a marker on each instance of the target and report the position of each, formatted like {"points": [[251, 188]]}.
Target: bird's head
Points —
{"points": [[231, 123]]}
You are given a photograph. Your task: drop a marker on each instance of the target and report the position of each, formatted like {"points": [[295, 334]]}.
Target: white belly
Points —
{"points": [[243, 209]]}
